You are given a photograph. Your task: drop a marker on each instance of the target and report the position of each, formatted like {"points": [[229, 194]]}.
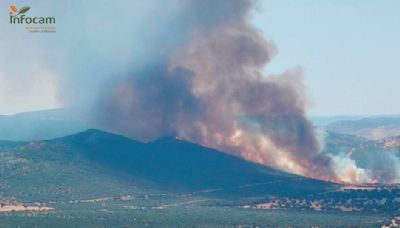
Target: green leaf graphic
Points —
{"points": [[23, 10]]}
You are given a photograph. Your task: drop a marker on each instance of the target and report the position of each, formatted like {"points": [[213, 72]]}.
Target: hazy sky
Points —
{"points": [[348, 50]]}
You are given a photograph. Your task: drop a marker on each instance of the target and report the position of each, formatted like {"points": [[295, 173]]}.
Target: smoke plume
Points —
{"points": [[207, 86]]}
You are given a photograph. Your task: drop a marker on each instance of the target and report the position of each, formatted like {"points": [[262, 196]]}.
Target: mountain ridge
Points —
{"points": [[166, 164]]}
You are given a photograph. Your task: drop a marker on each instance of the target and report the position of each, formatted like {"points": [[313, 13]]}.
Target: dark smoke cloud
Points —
{"points": [[157, 102], [209, 88]]}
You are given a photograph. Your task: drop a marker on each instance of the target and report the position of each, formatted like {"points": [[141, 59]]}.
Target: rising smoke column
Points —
{"points": [[209, 89]]}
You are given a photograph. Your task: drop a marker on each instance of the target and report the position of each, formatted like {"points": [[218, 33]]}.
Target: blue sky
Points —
{"points": [[348, 50]]}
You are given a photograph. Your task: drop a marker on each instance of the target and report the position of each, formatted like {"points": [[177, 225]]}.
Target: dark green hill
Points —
{"points": [[95, 163], [180, 165]]}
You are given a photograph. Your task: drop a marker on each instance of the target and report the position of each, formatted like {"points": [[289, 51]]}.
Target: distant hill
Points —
{"points": [[322, 121], [40, 125], [360, 148], [369, 128], [381, 158], [109, 164], [336, 143]]}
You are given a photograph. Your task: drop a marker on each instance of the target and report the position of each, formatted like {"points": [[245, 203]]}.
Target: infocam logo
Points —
{"points": [[17, 16]]}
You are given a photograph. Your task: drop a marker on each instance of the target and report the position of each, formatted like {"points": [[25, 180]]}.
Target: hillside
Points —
{"points": [[99, 163], [40, 125], [183, 165], [98, 179], [369, 128], [381, 158]]}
